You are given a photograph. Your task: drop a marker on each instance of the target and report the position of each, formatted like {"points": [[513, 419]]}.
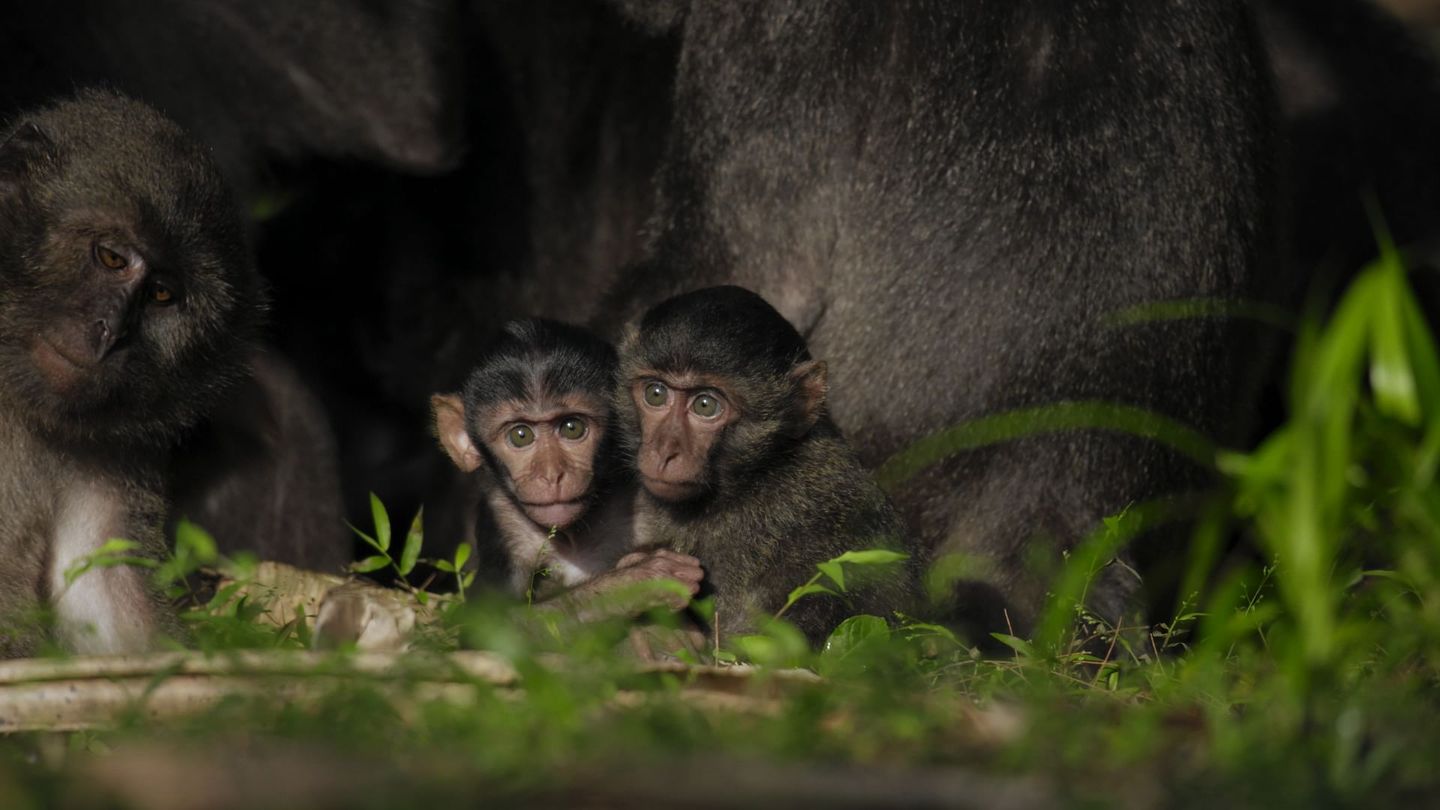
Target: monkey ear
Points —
{"points": [[25, 148], [449, 413], [812, 384]]}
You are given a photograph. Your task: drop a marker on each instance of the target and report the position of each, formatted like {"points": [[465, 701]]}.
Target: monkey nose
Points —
{"points": [[103, 337], [670, 458]]}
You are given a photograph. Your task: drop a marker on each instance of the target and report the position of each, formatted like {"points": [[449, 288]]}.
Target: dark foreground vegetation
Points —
{"points": [[1298, 667]]}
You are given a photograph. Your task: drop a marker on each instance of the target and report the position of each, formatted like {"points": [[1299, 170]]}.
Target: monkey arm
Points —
{"points": [[640, 582]]}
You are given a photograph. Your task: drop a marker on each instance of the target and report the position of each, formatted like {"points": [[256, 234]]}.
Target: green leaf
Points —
{"points": [[115, 545], [382, 522], [1391, 378], [835, 571], [195, 541], [111, 553], [446, 566], [413, 539], [194, 547], [778, 644], [873, 556], [1201, 308], [225, 595], [704, 609], [370, 541], [302, 628], [913, 630], [369, 564], [857, 638], [806, 590], [1026, 422], [1015, 643], [462, 556]]}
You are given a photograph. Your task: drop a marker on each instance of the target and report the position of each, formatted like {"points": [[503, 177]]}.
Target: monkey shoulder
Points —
{"points": [[839, 492]]}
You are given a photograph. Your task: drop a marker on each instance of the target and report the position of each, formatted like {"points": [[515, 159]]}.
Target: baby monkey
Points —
{"points": [[533, 426], [724, 410]]}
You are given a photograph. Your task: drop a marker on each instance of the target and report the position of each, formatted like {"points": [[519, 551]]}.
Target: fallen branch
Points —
{"points": [[83, 693]]}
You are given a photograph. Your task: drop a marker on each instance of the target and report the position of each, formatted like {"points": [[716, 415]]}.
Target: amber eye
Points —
{"points": [[656, 394], [706, 406], [161, 294], [573, 428], [109, 258], [520, 436]]}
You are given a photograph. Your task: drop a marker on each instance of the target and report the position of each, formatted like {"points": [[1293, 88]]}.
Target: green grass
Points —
{"points": [[1309, 679]]}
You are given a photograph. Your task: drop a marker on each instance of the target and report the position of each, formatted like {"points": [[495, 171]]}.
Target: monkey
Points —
{"points": [[950, 200], [533, 426], [278, 92], [128, 301], [724, 411], [273, 90]]}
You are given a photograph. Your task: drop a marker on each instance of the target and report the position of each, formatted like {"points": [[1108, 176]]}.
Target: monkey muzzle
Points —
{"points": [[559, 514]]}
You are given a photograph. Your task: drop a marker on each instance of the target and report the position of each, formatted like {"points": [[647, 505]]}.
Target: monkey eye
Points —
{"points": [[162, 294], [520, 436], [573, 428], [706, 406], [656, 394], [109, 259]]}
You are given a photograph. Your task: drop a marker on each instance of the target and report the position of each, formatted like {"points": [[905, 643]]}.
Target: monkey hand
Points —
{"points": [[639, 582], [661, 564]]}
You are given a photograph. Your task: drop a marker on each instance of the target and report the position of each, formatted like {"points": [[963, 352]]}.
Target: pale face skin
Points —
{"points": [[681, 417], [547, 450]]}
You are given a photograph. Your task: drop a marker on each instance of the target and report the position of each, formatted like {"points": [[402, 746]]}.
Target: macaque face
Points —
{"points": [[682, 417], [548, 452], [543, 452], [129, 290]]}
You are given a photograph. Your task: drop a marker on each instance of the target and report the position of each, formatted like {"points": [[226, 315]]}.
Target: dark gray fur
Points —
{"points": [[776, 503], [528, 358], [260, 474], [948, 198], [88, 463]]}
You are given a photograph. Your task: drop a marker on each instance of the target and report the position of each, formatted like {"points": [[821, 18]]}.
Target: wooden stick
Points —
{"points": [[80, 693]]}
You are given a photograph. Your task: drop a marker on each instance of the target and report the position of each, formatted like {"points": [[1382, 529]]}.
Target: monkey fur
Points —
{"points": [[742, 467], [127, 302], [534, 429]]}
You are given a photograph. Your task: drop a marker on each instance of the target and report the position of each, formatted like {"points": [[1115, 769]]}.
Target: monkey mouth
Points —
{"points": [[59, 369], [681, 490], [45, 348], [556, 513]]}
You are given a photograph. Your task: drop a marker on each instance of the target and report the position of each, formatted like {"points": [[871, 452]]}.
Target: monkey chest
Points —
{"points": [[54, 524], [538, 557]]}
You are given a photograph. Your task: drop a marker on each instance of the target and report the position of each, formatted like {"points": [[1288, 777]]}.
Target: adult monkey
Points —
{"points": [[263, 83], [949, 198], [127, 302]]}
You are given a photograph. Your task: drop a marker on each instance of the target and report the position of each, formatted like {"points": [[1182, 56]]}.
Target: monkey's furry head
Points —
{"points": [[535, 359], [721, 330], [128, 294]]}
